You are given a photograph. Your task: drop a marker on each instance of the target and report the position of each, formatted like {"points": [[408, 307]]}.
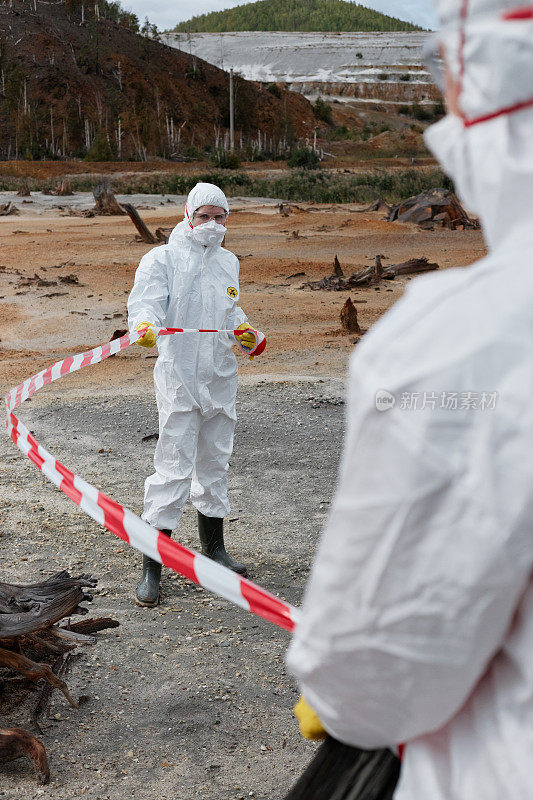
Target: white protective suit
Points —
{"points": [[418, 618], [185, 284]]}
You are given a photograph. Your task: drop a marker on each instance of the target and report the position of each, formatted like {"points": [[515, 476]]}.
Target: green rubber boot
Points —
{"points": [[147, 594], [211, 531]]}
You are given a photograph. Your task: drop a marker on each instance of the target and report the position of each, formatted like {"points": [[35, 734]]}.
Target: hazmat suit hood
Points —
{"points": [[488, 151], [203, 194]]}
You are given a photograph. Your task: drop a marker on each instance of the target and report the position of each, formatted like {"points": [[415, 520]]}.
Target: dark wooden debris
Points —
{"points": [[286, 209], [377, 205], [370, 275], [163, 234], [18, 743], [337, 269], [29, 625], [6, 209], [434, 207]]}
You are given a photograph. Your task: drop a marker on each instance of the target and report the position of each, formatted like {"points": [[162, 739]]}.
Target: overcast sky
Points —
{"points": [[167, 13]]}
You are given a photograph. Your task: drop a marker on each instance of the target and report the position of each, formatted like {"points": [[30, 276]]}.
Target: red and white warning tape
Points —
{"points": [[118, 519]]}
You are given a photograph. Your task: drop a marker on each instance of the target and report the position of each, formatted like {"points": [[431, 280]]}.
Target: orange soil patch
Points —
{"points": [[42, 324]]}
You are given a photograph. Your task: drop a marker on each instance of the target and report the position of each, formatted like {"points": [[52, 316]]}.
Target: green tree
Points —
{"points": [[295, 15]]}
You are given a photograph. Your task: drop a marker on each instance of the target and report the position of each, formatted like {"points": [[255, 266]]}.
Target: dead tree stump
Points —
{"points": [[349, 317], [106, 203], [64, 188]]}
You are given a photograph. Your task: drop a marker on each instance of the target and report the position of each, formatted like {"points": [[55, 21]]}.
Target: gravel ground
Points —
{"points": [[191, 699]]}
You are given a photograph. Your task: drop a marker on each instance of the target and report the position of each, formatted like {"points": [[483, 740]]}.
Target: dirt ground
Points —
{"points": [[191, 699]]}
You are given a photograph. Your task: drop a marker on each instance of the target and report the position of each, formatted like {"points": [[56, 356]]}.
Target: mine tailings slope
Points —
{"points": [[71, 89]]}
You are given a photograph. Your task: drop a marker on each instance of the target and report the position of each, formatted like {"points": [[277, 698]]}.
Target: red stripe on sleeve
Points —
{"points": [[518, 13], [267, 606], [177, 557], [113, 516]]}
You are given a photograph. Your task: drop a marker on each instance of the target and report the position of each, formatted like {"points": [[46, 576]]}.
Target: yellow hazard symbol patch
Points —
{"points": [[232, 291]]}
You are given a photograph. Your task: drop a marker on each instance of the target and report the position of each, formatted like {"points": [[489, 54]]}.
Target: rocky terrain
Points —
{"points": [[384, 68]]}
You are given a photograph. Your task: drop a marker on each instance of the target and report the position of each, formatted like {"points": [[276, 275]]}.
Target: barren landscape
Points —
{"points": [[191, 699]]}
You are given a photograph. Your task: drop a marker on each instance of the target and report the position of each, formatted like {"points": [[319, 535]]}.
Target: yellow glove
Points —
{"points": [[149, 338], [310, 725], [247, 340]]}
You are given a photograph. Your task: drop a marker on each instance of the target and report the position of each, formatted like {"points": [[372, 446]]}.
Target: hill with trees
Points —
{"points": [[86, 80], [295, 15]]}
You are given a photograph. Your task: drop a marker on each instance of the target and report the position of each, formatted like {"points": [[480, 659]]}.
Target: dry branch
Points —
{"points": [[18, 743]]}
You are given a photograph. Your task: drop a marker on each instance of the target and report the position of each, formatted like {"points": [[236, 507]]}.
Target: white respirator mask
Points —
{"points": [[209, 234]]}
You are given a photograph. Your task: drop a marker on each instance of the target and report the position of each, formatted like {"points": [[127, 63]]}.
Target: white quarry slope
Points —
{"points": [[380, 66]]}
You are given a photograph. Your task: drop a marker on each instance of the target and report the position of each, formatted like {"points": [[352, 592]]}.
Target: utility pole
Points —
{"points": [[231, 113]]}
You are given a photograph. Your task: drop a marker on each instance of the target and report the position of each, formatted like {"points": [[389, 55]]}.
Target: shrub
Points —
{"points": [[323, 111], [100, 150], [304, 158], [224, 160], [405, 77], [421, 113], [274, 89], [359, 55]]}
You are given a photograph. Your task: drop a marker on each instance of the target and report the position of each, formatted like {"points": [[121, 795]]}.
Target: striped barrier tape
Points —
{"points": [[120, 520], [256, 350]]}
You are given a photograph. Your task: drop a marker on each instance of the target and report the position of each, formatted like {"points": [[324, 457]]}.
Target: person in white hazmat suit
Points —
{"points": [[417, 624], [191, 282]]}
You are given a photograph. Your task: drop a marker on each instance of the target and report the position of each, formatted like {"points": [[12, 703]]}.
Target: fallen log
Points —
{"points": [[434, 206], [411, 267], [144, 232], [371, 275], [377, 205]]}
